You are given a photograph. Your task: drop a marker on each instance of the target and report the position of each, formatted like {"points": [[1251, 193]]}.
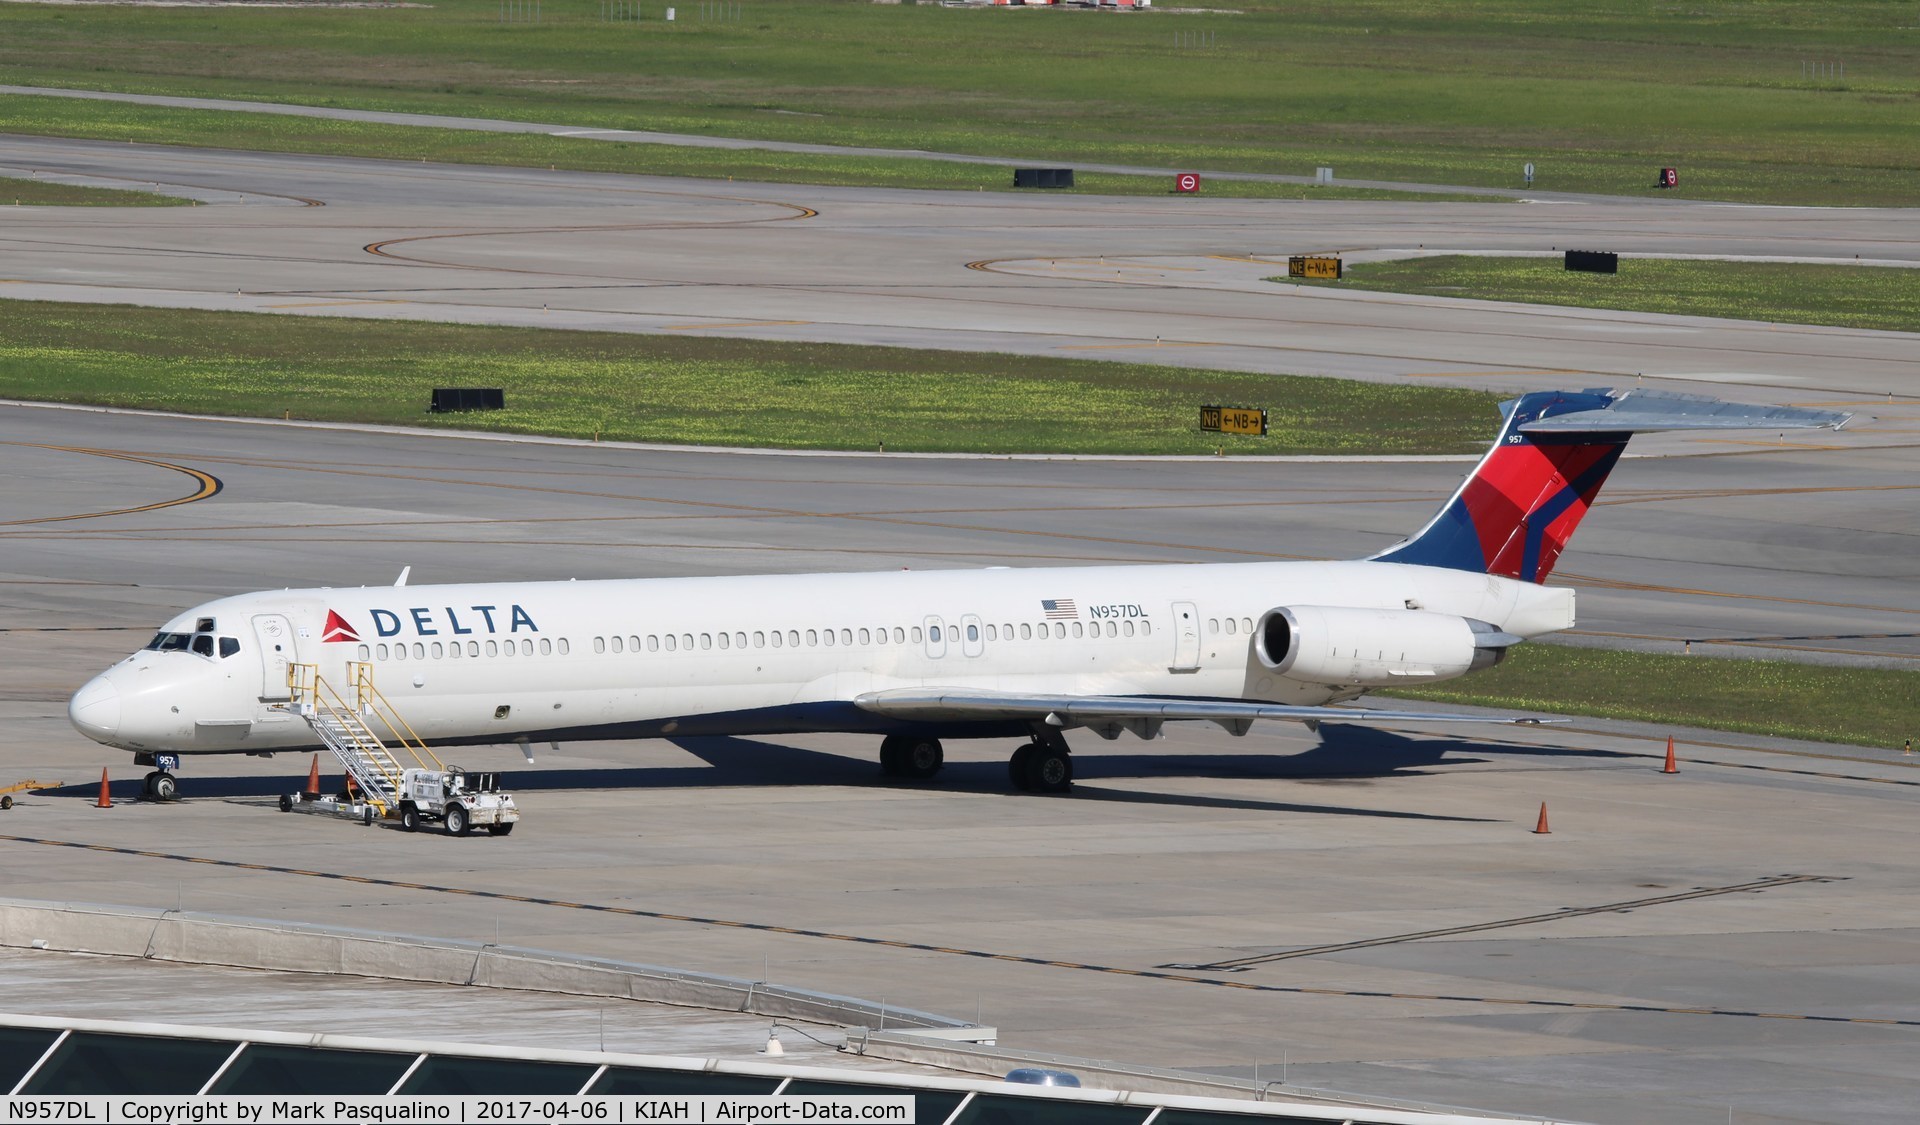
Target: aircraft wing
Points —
{"points": [[1109, 715]]}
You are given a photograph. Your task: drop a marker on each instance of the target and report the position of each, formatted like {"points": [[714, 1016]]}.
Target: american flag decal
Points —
{"points": [[1059, 607]]}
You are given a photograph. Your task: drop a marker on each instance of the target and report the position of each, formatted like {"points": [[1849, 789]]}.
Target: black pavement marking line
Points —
{"points": [[858, 939], [1570, 578], [751, 511], [209, 484], [1494, 743], [379, 249], [1812, 637], [1798, 773], [1754, 767], [1531, 919]]}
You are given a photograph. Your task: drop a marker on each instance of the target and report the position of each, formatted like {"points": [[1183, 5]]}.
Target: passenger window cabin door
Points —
{"points": [[274, 634], [972, 638], [936, 638], [1186, 638]]}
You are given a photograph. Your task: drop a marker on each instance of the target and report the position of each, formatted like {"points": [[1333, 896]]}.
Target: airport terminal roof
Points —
{"points": [[60, 1056]]}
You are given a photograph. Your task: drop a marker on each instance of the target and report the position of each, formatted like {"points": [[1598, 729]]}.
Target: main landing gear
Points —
{"points": [[1044, 765], [910, 756]]}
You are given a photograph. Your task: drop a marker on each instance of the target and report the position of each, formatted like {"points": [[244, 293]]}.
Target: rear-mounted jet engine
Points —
{"points": [[1375, 647]]}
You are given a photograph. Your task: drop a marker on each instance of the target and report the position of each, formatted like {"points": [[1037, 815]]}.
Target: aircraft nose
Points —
{"points": [[94, 710]]}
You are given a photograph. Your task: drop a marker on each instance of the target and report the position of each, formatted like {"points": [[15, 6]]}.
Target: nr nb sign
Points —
{"points": [[1234, 420]]}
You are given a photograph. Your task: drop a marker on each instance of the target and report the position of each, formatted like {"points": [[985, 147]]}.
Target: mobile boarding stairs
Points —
{"points": [[381, 784]]}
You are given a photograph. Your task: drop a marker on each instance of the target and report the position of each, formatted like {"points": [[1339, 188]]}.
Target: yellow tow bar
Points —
{"points": [[7, 791]]}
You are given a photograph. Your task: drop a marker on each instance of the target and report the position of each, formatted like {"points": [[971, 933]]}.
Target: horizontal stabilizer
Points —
{"points": [[936, 705], [1642, 411]]}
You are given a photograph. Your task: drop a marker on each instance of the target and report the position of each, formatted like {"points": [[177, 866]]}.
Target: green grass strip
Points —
{"points": [[1861, 706], [267, 132], [1784, 292], [1748, 98], [696, 389], [41, 193]]}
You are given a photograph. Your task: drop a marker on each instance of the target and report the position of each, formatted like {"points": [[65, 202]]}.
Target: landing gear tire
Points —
{"points": [[923, 759], [1018, 767], [500, 829], [163, 786], [1048, 770], [456, 822], [409, 818], [916, 758], [286, 803], [892, 749]]}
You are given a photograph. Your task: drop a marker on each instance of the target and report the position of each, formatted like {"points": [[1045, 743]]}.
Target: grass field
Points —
{"points": [[1849, 296], [1596, 94], [697, 390], [110, 121], [1863, 706], [40, 193]]}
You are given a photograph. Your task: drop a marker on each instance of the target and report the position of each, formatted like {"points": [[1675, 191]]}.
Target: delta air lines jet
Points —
{"points": [[916, 657]]}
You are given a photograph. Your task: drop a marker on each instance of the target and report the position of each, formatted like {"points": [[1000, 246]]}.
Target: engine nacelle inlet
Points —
{"points": [[1339, 645]]}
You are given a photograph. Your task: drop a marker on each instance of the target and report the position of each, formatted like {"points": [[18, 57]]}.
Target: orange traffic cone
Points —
{"points": [[1669, 767], [106, 798], [1541, 828], [312, 791]]}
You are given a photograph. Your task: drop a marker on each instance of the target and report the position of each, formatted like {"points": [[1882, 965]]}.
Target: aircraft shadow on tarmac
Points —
{"points": [[1348, 753]]}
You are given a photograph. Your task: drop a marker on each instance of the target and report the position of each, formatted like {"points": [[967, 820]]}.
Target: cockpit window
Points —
{"points": [[200, 643]]}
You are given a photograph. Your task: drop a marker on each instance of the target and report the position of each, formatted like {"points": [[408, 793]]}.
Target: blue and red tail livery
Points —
{"points": [[1514, 515]]}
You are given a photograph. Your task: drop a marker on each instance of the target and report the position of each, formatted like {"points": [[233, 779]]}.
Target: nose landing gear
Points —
{"points": [[161, 786]]}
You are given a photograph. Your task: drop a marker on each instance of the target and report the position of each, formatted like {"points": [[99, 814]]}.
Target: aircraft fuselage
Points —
{"points": [[540, 661]]}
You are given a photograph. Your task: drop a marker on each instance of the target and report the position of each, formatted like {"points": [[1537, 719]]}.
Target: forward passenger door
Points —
{"points": [[274, 634], [1186, 638]]}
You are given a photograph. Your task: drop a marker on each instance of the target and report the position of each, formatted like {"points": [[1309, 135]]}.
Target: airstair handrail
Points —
{"points": [[339, 726], [372, 699]]}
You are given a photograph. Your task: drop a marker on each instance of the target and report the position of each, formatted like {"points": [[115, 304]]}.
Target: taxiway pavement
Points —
{"points": [[1696, 919], [1178, 281]]}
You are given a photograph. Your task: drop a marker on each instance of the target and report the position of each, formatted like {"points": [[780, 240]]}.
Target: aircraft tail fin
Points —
{"points": [[1514, 514]]}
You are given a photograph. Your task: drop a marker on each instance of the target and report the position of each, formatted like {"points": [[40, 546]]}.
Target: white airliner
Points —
{"points": [[917, 656]]}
